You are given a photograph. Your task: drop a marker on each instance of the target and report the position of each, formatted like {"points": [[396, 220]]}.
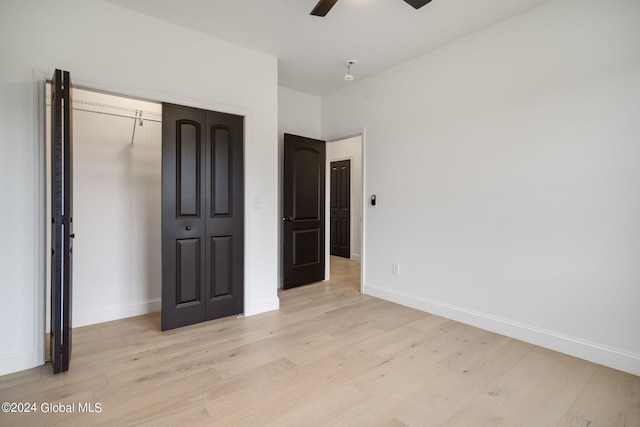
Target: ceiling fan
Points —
{"points": [[324, 6]]}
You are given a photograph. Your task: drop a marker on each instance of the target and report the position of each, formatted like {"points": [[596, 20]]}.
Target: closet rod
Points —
{"points": [[136, 114], [117, 115]]}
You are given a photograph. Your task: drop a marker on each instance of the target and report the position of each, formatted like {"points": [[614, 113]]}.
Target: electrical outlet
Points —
{"points": [[395, 269]]}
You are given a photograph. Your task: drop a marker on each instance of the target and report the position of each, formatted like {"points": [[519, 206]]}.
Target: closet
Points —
{"points": [[202, 215]]}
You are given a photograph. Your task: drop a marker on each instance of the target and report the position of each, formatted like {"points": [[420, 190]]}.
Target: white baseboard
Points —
{"points": [[593, 352], [107, 314], [261, 306], [18, 361], [27, 359], [355, 256]]}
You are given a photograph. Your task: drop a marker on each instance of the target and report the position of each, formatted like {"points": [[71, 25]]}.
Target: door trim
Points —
{"points": [[40, 214]]}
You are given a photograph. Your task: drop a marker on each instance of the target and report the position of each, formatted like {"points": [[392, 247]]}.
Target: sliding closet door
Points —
{"points": [[202, 215], [61, 220]]}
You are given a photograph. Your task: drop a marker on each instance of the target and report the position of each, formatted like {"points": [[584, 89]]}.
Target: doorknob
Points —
{"points": [[287, 218], [188, 228]]}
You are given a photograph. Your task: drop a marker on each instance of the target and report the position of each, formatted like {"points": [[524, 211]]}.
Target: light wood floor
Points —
{"points": [[329, 356]]}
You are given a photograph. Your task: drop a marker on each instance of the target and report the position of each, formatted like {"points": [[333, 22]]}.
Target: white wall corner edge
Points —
{"points": [[107, 314], [592, 352], [261, 306]]}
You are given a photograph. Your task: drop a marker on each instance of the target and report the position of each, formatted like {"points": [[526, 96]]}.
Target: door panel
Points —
{"points": [[222, 179], [343, 241], [340, 208], [306, 247], [221, 265], [225, 222], [303, 225], [306, 166], [183, 227], [188, 140], [62, 221], [203, 215], [188, 283]]}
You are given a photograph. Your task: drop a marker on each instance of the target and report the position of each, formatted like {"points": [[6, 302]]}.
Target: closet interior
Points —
{"points": [[117, 143]]}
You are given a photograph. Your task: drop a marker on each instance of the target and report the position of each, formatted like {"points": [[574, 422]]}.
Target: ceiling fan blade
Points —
{"points": [[323, 7], [417, 4]]}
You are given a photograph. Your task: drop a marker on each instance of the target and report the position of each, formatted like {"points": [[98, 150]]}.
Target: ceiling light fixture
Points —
{"points": [[349, 77]]}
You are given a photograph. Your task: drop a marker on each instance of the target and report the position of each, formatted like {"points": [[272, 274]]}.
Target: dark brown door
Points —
{"points": [[340, 209], [303, 211], [202, 215], [62, 220]]}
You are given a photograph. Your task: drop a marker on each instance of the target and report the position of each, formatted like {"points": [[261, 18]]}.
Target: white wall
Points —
{"points": [[110, 48], [351, 149], [298, 114], [507, 170]]}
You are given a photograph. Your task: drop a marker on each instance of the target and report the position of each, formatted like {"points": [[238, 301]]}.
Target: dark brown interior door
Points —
{"points": [[202, 215], [61, 220], [303, 211], [340, 209]]}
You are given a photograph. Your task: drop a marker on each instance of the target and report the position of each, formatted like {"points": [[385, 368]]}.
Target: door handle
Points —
{"points": [[188, 228], [287, 218]]}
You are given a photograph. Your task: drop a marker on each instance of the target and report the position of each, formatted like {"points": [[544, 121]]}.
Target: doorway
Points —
{"points": [[348, 148], [118, 208], [117, 165], [351, 149]]}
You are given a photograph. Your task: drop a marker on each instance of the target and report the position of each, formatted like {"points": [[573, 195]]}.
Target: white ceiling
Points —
{"points": [[312, 51]]}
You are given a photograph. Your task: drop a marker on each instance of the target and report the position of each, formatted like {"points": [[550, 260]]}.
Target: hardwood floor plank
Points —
{"points": [[610, 398], [467, 350], [329, 356], [547, 403], [510, 393], [494, 363]]}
